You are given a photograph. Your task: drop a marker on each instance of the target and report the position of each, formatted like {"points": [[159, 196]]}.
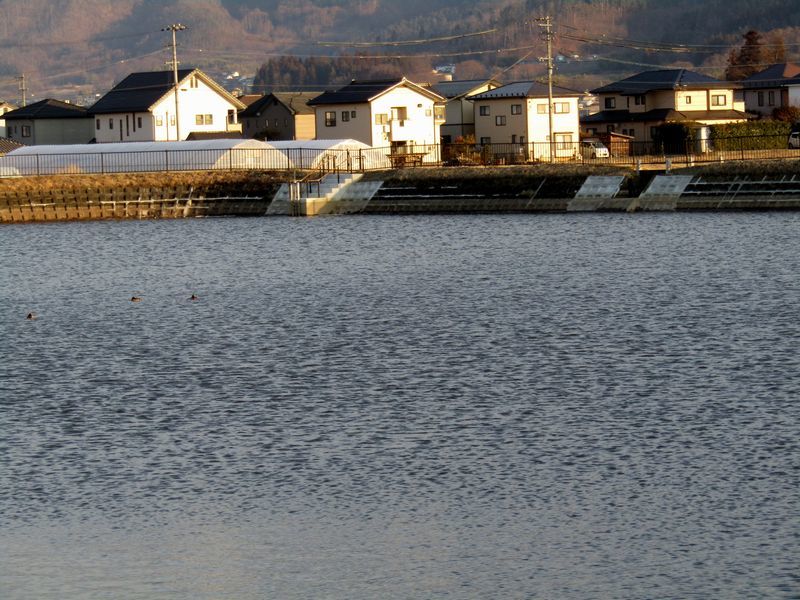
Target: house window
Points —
{"points": [[399, 113], [522, 139], [193, 82], [771, 98], [97, 124], [428, 112], [688, 100], [381, 119], [330, 118], [208, 119], [159, 121], [438, 111], [484, 110], [198, 119], [111, 123], [719, 100], [276, 123], [513, 138], [516, 109], [172, 120], [345, 116], [139, 122], [541, 109], [352, 114], [592, 131], [26, 131], [563, 141], [610, 103], [486, 140], [638, 100], [561, 108], [761, 98], [500, 120]]}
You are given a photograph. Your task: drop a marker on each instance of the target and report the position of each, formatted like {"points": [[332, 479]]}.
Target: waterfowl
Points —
{"points": [[136, 299], [31, 316], [193, 297]]}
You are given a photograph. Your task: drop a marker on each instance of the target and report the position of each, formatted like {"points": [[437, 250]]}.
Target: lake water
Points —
{"points": [[471, 406]]}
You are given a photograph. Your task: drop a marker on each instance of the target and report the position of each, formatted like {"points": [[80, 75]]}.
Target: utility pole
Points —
{"points": [[173, 28], [546, 23], [23, 89]]}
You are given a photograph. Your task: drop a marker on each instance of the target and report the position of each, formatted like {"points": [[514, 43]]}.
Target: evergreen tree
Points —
{"points": [[751, 58]]}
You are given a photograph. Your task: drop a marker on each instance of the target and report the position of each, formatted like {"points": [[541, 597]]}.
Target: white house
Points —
{"points": [[778, 86], [459, 111], [517, 113], [142, 108], [393, 113]]}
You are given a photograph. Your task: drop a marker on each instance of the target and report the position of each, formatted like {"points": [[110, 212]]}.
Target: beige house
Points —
{"points": [[389, 113], [638, 105], [517, 113], [49, 122], [775, 87], [142, 108], [280, 116], [459, 111]]}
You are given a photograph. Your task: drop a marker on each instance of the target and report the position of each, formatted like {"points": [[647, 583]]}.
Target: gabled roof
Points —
{"points": [[456, 89], [668, 79], [356, 92], [295, 102], [774, 76], [525, 89], [48, 109], [138, 92]]}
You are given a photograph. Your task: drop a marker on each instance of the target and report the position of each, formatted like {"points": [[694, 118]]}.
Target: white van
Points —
{"points": [[794, 140], [594, 149]]}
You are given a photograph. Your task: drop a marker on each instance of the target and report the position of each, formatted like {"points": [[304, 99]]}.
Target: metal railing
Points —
{"points": [[294, 160]]}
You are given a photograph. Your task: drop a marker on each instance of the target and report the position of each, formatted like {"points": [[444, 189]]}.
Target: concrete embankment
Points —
{"points": [[136, 196], [773, 185]]}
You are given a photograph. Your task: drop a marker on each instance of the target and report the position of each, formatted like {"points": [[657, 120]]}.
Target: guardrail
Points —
{"points": [[628, 153]]}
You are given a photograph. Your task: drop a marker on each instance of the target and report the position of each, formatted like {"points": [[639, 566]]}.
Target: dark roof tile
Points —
{"points": [[524, 89], [667, 79], [48, 109], [138, 92]]}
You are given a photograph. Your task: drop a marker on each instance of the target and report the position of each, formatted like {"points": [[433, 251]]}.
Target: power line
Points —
{"points": [[409, 42]]}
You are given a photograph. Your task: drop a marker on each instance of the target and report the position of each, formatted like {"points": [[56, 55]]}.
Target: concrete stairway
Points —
{"points": [[335, 194]]}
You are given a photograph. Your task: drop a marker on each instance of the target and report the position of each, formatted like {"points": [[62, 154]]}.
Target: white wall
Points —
{"points": [[357, 128], [127, 124], [420, 127]]}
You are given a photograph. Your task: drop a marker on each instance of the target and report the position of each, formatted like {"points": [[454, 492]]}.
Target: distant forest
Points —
{"points": [[69, 48]]}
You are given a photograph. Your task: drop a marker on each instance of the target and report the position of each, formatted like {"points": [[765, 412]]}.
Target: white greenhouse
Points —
{"points": [[332, 155], [138, 157], [200, 155]]}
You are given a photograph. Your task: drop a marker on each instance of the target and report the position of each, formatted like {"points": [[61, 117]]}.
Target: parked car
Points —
{"points": [[594, 149], [794, 140]]}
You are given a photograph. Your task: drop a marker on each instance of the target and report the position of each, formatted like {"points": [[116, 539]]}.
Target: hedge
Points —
{"points": [[750, 135]]}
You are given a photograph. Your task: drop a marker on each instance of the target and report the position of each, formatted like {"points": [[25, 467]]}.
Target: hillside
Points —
{"points": [[73, 49]]}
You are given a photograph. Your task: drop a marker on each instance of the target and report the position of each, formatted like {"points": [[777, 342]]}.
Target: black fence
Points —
{"points": [[305, 160]]}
